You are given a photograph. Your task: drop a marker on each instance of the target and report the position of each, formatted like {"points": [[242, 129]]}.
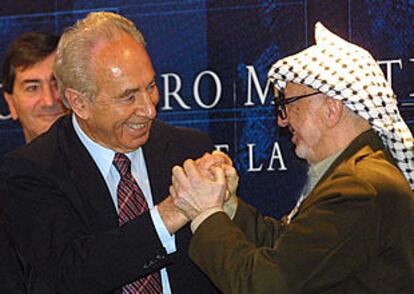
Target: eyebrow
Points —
{"points": [[28, 81], [127, 92], [134, 90]]}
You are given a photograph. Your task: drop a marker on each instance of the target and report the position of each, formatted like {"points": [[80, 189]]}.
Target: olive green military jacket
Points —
{"points": [[353, 234]]}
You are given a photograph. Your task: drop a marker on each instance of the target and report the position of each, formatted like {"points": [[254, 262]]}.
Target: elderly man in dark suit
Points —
{"points": [[352, 230], [87, 203]]}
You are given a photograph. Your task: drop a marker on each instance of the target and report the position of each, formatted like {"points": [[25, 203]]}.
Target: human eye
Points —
{"points": [[128, 99], [32, 88], [152, 86]]}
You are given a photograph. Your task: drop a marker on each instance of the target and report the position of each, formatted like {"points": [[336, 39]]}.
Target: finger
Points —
{"points": [[191, 170], [172, 191], [203, 165], [229, 170], [208, 160], [219, 176], [202, 158], [223, 157], [232, 178], [227, 195], [179, 176]]}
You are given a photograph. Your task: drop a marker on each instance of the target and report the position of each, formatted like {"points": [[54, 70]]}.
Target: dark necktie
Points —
{"points": [[131, 203]]}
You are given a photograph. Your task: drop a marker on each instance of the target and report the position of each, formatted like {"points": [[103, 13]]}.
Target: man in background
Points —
{"points": [[29, 85], [87, 203], [352, 230], [30, 90]]}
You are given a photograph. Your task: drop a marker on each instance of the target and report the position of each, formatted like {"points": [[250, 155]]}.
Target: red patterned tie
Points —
{"points": [[131, 203]]}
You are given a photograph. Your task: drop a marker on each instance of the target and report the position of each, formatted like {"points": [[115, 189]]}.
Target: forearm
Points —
{"points": [[234, 264], [305, 255], [89, 263], [260, 230], [172, 217], [75, 254]]}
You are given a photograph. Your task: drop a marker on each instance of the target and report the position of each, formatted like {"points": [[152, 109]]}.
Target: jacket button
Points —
{"points": [[151, 263]]}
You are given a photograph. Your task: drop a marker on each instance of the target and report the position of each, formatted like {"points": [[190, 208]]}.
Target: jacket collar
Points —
{"points": [[367, 139]]}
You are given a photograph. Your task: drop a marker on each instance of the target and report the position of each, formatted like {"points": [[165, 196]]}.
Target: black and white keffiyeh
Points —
{"points": [[349, 73]]}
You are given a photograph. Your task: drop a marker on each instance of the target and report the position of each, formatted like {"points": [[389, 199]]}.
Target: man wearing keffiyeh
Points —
{"points": [[352, 230]]}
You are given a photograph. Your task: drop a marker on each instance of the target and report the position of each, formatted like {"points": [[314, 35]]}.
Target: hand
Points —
{"points": [[193, 192], [218, 158]]}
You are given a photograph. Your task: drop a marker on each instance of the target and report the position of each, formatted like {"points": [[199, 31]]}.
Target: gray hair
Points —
{"points": [[74, 64]]}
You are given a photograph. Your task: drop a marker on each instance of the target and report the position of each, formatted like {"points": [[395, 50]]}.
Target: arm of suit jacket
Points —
{"points": [[319, 248], [57, 238], [63, 247], [11, 271]]}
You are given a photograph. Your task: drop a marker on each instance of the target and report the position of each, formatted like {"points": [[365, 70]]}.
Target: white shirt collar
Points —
{"points": [[102, 156]]}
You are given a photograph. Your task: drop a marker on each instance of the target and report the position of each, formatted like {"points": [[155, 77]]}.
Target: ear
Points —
{"points": [[334, 109], [10, 103], [78, 102]]}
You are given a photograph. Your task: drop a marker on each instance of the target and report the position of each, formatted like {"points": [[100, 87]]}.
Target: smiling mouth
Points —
{"points": [[52, 114], [137, 126]]}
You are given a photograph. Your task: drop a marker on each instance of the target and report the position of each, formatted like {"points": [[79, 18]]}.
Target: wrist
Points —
{"points": [[197, 221], [173, 218]]}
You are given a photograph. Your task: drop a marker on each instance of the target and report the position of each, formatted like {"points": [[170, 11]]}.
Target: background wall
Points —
{"points": [[212, 58]]}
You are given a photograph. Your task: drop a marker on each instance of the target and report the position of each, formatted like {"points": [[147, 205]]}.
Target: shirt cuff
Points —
{"points": [[203, 216], [167, 240]]}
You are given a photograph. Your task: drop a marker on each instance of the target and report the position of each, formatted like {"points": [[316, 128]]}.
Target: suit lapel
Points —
{"points": [[88, 179], [158, 166]]}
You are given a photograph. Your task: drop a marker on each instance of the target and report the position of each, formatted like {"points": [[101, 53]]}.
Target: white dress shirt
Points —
{"points": [[103, 158]]}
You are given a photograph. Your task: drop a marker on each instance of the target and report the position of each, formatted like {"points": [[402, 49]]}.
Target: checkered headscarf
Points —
{"points": [[346, 72]]}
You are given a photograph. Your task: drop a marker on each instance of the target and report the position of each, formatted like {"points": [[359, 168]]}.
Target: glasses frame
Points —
{"points": [[281, 101]]}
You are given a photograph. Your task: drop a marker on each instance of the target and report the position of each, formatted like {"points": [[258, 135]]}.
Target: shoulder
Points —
{"points": [[368, 173], [375, 169], [45, 151], [182, 137], [176, 143], [173, 133]]}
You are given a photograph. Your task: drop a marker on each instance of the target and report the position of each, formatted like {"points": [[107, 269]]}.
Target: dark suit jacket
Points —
{"points": [[353, 234], [11, 268], [60, 214]]}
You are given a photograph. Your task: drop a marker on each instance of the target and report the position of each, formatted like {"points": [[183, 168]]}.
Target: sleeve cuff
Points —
{"points": [[203, 216], [167, 240]]}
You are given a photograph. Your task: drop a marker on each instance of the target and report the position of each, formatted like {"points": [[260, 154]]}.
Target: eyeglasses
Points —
{"points": [[281, 101]]}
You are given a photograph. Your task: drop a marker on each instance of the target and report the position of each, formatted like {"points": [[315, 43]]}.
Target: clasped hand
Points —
{"points": [[203, 184]]}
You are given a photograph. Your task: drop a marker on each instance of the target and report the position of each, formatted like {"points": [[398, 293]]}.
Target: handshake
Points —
{"points": [[200, 188], [205, 185]]}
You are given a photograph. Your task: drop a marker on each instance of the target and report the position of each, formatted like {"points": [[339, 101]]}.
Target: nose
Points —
{"points": [[146, 106], [50, 95]]}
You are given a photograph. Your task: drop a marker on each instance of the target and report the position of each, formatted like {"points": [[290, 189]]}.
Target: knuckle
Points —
{"points": [[187, 162]]}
